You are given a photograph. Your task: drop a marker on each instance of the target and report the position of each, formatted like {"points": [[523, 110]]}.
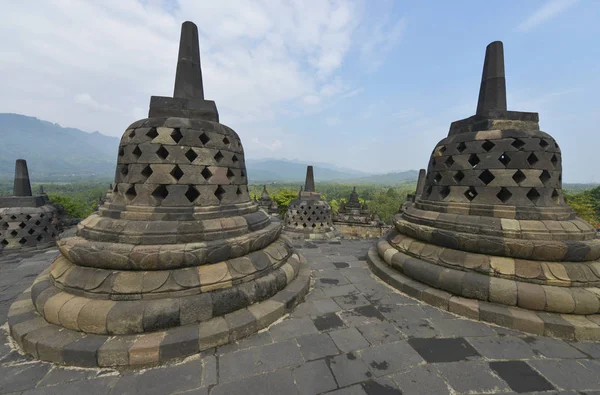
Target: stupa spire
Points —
{"points": [[188, 95], [492, 92], [22, 185], [309, 185], [188, 79]]}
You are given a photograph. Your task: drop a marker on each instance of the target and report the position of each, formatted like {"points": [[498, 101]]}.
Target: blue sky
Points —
{"points": [[370, 85]]}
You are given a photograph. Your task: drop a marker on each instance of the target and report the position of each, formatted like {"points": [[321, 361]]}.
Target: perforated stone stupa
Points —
{"points": [[309, 216], [354, 220], [26, 219], [489, 234], [267, 204], [178, 259]]}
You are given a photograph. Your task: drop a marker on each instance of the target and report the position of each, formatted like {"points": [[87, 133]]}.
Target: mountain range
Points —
{"points": [[56, 153]]}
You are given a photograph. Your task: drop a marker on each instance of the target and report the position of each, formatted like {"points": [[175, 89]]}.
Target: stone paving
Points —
{"points": [[352, 335]]}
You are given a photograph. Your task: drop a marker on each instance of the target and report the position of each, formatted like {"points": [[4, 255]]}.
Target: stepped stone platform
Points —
{"points": [[309, 216], [352, 334], [489, 234], [178, 258]]}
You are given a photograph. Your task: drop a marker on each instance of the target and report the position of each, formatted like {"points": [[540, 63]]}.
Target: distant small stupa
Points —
{"points": [[26, 219], [309, 216]]}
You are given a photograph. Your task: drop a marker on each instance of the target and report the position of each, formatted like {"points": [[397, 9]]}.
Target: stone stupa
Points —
{"points": [[354, 220], [26, 219], [489, 234], [309, 216], [267, 204], [178, 260]]}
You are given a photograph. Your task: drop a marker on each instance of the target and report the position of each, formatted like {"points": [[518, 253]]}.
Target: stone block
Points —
{"points": [[436, 297], [146, 349], [179, 342], [496, 314], [161, 314], [266, 312], [503, 291], [585, 330], [531, 296], [69, 312], [556, 326], [475, 286], [83, 352], [213, 333], [126, 317], [466, 307], [559, 299], [115, 351], [195, 308], [92, 317], [526, 321], [241, 324]]}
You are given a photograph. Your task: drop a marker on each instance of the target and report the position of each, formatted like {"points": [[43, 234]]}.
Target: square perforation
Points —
{"points": [[474, 160], [192, 194], [220, 193], [191, 155], [486, 177], [137, 152], [519, 177], [504, 195], [488, 145], [458, 176], [206, 173], [532, 159], [533, 195], [204, 139], [444, 192], [176, 135], [177, 173], [518, 143], [130, 194], [504, 159], [545, 177], [471, 193], [219, 157], [152, 133], [162, 152], [160, 192]]}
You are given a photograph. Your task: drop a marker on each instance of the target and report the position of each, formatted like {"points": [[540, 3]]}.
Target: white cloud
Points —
{"points": [[88, 101], [274, 145], [546, 12], [257, 58]]}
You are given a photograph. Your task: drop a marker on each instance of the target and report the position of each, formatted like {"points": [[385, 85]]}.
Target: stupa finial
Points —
{"points": [[309, 185], [22, 185], [188, 96], [188, 79], [492, 92]]}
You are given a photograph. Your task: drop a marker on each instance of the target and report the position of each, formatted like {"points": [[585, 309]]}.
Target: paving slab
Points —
{"points": [[356, 337]]}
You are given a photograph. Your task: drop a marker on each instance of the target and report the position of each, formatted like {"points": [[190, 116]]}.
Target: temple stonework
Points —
{"points": [[267, 204], [354, 221], [178, 259], [26, 219], [489, 234], [309, 216]]}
